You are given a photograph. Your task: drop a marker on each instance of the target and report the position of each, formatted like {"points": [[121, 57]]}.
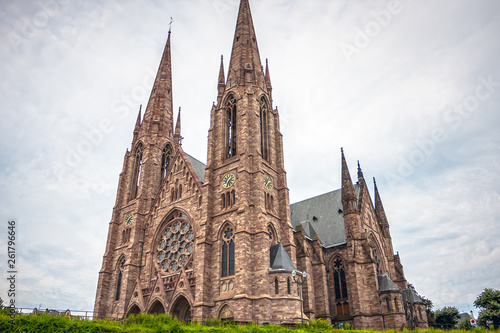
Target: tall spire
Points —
{"points": [[379, 208], [348, 192], [245, 67], [159, 114], [222, 83]]}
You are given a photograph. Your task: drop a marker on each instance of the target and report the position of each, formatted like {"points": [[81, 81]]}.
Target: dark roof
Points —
{"points": [[279, 259], [324, 213], [411, 296], [199, 167], [308, 229], [385, 284]]}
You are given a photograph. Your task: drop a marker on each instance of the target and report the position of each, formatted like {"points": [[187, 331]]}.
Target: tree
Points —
{"points": [[447, 317], [431, 321], [489, 304]]}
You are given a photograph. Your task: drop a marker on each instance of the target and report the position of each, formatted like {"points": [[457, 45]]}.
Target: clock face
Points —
{"points": [[268, 183], [128, 219], [228, 180]]}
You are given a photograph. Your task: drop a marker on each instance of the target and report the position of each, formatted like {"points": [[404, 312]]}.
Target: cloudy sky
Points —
{"points": [[411, 89]]}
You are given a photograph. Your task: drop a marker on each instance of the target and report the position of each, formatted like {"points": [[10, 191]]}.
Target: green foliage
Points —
{"points": [[319, 323], [465, 325], [489, 304], [165, 324], [447, 317]]}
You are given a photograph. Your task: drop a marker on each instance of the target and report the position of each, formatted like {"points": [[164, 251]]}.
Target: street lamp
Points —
{"points": [[299, 278]]}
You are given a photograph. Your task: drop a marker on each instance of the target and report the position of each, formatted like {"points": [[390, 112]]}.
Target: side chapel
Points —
{"points": [[221, 240]]}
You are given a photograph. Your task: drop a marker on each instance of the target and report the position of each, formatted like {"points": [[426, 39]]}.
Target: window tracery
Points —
{"points": [[165, 160], [264, 129], [136, 178], [231, 126], [121, 267], [175, 246], [228, 252], [340, 287]]}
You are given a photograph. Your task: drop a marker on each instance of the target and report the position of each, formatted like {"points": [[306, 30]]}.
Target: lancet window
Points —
{"points": [[119, 279], [228, 252], [264, 129], [136, 176], [231, 126], [165, 160], [340, 287]]}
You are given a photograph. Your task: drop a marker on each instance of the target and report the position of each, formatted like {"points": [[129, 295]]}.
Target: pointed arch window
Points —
{"points": [[276, 287], [228, 252], [136, 175], [119, 279], [340, 287], [165, 160], [264, 129], [288, 286], [231, 126]]}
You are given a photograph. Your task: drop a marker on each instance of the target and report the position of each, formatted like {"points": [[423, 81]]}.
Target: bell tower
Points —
{"points": [[144, 169], [246, 200]]}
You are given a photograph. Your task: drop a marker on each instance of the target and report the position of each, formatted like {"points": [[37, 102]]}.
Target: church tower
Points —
{"points": [[144, 169], [246, 203]]}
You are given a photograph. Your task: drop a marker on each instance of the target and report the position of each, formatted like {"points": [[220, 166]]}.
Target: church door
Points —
{"points": [[181, 309]]}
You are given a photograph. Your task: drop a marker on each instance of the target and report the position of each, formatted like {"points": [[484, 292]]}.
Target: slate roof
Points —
{"points": [[385, 284], [279, 259], [199, 167], [411, 296]]}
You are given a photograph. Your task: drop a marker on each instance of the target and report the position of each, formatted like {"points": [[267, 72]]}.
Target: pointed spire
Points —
{"points": [[348, 192], [379, 208], [268, 76], [159, 114], [222, 83], [360, 172], [138, 122], [137, 127], [245, 67], [177, 135]]}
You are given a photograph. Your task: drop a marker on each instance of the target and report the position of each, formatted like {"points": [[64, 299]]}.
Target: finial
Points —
{"points": [[341, 149], [170, 25], [374, 181]]}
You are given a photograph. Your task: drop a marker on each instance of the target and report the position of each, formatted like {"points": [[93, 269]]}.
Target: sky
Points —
{"points": [[410, 89]]}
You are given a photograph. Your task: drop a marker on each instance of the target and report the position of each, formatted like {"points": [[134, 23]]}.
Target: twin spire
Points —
{"points": [[245, 68]]}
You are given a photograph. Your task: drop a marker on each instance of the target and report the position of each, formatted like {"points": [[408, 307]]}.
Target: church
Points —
{"points": [[221, 239]]}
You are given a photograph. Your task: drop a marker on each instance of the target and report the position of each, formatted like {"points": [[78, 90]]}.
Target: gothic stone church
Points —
{"points": [[221, 240]]}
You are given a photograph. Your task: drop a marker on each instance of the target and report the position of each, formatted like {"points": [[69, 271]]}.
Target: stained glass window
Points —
{"points": [[228, 252], [175, 246]]}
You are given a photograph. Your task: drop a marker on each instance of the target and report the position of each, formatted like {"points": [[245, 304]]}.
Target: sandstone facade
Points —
{"points": [[221, 240]]}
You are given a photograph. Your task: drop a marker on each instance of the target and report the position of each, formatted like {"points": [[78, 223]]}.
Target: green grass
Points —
{"points": [[42, 323]]}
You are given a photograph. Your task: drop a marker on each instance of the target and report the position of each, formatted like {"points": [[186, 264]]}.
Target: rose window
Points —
{"points": [[175, 246]]}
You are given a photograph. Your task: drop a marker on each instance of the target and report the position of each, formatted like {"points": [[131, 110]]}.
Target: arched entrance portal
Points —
{"points": [[181, 309], [157, 308], [134, 310]]}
